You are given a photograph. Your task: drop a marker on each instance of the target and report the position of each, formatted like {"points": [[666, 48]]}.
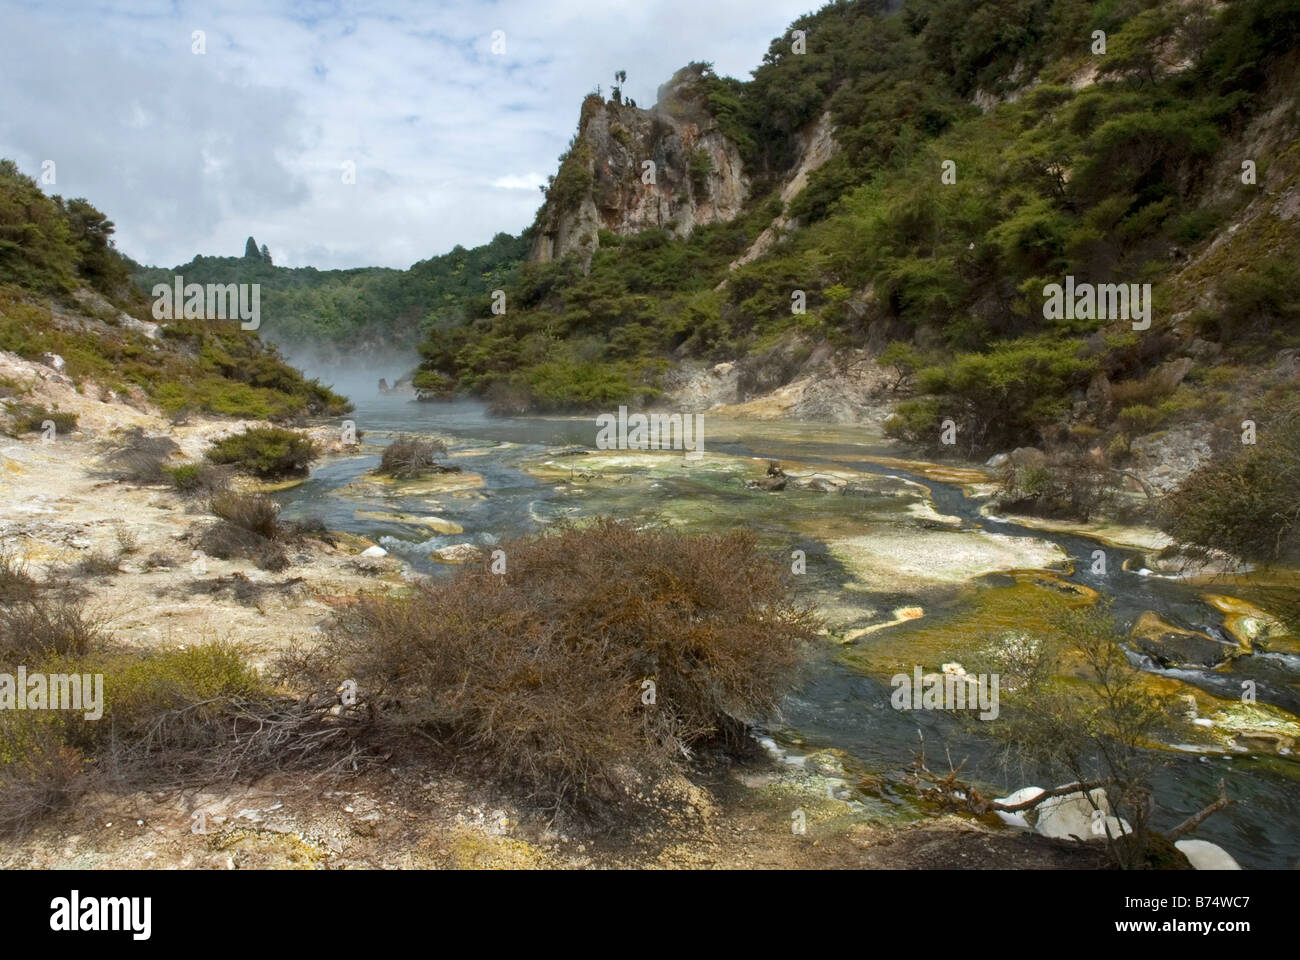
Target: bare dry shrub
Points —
{"points": [[161, 560], [541, 677], [249, 528], [229, 541], [138, 458], [16, 583], [411, 456], [97, 563], [249, 511], [48, 624], [1072, 484]]}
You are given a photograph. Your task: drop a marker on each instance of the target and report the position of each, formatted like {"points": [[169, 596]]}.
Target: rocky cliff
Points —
{"points": [[604, 182]]}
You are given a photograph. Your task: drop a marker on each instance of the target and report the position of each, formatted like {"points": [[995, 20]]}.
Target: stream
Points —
{"points": [[842, 702]]}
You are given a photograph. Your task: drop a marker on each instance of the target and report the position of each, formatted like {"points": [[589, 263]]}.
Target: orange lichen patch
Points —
{"points": [[935, 471], [1245, 621], [1041, 578], [901, 615]]}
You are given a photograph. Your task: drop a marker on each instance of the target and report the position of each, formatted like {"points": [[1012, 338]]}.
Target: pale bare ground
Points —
{"points": [[58, 505]]}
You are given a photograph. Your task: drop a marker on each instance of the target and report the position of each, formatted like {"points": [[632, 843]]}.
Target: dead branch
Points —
{"points": [[1076, 787], [959, 793], [1196, 819]]}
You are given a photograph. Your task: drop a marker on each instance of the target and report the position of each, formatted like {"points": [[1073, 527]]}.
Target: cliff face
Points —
{"points": [[698, 176]]}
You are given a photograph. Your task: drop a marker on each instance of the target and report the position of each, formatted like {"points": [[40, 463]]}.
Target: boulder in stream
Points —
{"points": [[1075, 815], [1172, 646]]}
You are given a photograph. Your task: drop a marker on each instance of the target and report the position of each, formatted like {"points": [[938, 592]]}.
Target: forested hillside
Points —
{"points": [[1117, 166], [66, 299], [345, 316]]}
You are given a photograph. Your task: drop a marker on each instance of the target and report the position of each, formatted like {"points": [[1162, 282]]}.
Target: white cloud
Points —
{"points": [[529, 181], [191, 154]]}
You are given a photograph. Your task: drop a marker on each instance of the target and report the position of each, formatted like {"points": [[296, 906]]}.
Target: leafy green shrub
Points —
{"points": [[1247, 504], [198, 478], [1139, 419], [916, 420], [996, 399], [903, 359], [184, 476], [699, 167], [433, 386], [31, 418], [266, 451], [205, 679]]}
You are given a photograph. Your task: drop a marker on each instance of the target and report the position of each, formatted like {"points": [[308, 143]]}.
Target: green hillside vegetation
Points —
{"points": [[65, 289], [338, 314], [1114, 180]]}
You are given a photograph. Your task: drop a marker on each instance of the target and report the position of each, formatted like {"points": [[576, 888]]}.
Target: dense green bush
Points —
{"points": [[1248, 503], [266, 451], [996, 398], [198, 478], [32, 417]]}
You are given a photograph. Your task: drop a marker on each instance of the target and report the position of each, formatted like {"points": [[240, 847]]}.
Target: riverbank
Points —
{"points": [[901, 562], [58, 506]]}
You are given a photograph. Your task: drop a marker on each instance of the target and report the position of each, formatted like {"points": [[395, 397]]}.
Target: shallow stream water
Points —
{"points": [[843, 701]]}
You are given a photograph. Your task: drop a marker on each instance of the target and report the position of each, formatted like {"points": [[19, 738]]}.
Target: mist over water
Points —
{"points": [[357, 380]]}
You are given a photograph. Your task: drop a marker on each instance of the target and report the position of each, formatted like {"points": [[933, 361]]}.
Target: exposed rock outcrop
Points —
{"points": [[697, 178], [816, 146]]}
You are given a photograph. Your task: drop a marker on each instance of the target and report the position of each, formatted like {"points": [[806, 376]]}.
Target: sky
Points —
{"points": [[192, 152]]}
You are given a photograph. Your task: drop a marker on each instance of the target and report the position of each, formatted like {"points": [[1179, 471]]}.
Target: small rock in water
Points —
{"points": [[458, 553], [374, 552]]}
